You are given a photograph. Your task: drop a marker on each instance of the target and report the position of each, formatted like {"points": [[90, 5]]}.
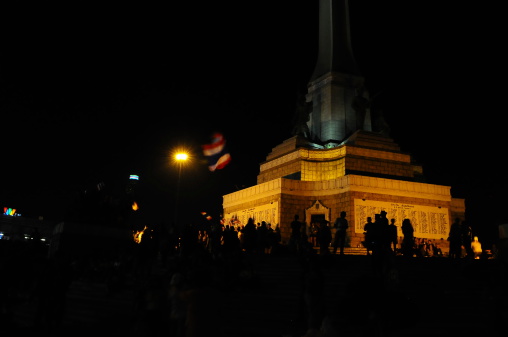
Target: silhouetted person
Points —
{"points": [[438, 252], [306, 246], [324, 237], [263, 238], [269, 239], [380, 246], [277, 239], [467, 237], [341, 225], [392, 235], [455, 238], [385, 229], [313, 228], [215, 238], [249, 236], [369, 236], [231, 241], [296, 234], [409, 240]]}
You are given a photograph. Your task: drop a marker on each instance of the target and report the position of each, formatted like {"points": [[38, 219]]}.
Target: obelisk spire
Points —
{"points": [[340, 102], [335, 52]]}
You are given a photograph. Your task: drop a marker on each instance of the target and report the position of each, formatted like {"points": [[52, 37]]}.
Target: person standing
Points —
{"points": [[277, 238], [249, 232], [408, 240], [455, 238], [263, 242], [467, 238], [368, 231], [476, 246], [341, 225], [313, 229], [296, 234], [324, 237], [381, 252], [392, 235], [384, 230]]}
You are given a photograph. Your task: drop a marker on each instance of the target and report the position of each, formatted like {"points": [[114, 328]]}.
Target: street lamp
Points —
{"points": [[180, 159]]}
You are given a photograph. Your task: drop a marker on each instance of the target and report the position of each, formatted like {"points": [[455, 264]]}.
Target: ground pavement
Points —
{"points": [[427, 297]]}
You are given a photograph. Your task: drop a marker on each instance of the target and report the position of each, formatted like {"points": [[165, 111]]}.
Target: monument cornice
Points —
{"points": [[334, 154], [348, 183]]}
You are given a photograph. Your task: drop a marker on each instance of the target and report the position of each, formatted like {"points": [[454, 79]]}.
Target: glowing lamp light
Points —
{"points": [[134, 177], [135, 206], [181, 156]]}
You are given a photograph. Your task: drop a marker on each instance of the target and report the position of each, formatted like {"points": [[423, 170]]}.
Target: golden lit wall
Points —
{"points": [[379, 167], [316, 171], [295, 197], [311, 180], [431, 222], [319, 164]]}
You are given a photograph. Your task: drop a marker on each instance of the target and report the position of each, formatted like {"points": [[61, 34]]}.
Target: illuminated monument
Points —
{"points": [[339, 159]]}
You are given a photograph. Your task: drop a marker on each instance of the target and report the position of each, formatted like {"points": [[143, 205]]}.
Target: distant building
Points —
{"points": [[21, 228]]}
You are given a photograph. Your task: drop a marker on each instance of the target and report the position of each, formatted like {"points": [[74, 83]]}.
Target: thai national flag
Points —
{"points": [[216, 152]]}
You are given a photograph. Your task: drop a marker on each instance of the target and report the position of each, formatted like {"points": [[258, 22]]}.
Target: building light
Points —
{"points": [[9, 211]]}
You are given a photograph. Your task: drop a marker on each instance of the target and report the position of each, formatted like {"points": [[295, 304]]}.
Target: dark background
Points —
{"points": [[94, 93]]}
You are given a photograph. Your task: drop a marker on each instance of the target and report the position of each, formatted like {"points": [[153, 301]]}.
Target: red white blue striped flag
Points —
{"points": [[216, 152]]}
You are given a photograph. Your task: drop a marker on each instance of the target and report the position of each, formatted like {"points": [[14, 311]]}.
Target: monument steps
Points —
{"points": [[348, 250]]}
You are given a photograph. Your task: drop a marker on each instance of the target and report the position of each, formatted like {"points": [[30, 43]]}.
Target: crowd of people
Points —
{"points": [[175, 272], [198, 263], [380, 234]]}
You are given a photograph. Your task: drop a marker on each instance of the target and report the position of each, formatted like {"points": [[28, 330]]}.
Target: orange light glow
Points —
{"points": [[181, 156], [137, 235], [135, 206]]}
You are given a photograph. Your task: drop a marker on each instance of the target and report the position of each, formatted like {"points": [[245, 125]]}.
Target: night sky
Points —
{"points": [[91, 94]]}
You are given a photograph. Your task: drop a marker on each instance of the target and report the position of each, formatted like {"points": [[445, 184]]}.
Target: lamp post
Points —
{"points": [[180, 159]]}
